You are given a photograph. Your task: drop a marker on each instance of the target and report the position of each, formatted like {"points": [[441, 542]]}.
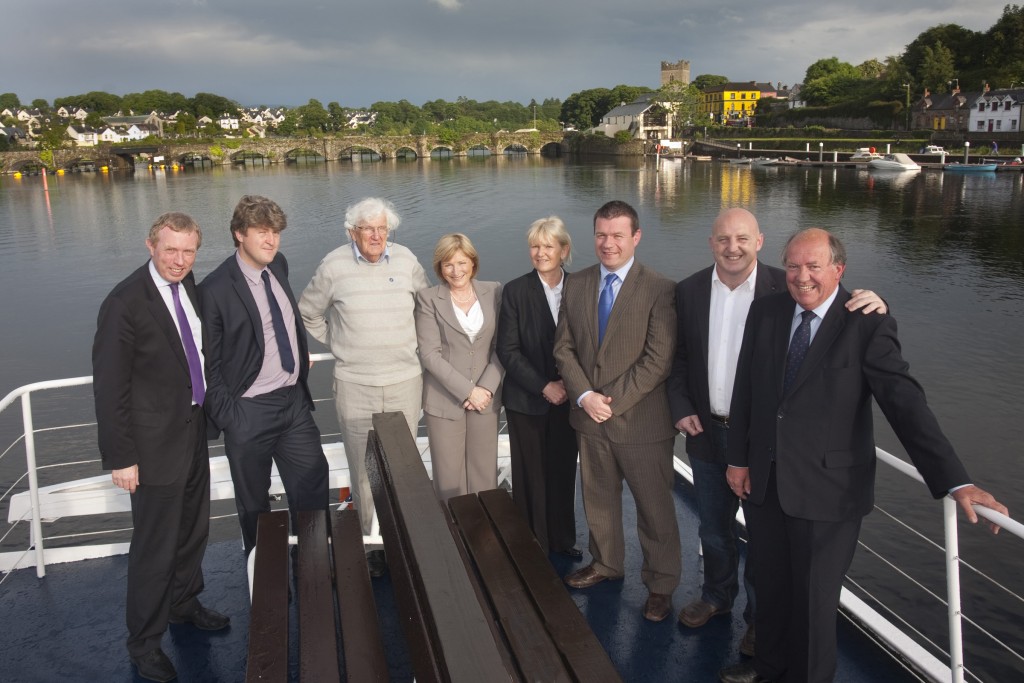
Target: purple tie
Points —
{"points": [[195, 365]]}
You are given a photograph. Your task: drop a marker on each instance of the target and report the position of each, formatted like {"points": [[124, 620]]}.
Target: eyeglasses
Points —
{"points": [[372, 229]]}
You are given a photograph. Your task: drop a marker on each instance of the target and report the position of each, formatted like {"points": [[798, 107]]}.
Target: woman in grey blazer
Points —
{"points": [[455, 331]]}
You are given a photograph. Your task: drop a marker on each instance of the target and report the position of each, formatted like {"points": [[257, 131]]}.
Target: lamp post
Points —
{"points": [[907, 86], [821, 151]]}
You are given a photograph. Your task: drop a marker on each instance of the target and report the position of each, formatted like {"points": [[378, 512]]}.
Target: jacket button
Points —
{"points": [[780, 415]]}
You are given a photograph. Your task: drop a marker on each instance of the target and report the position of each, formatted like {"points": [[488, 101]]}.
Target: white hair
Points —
{"points": [[369, 208]]}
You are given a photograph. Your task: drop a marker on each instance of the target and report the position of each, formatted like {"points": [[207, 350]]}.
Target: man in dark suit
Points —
{"points": [[257, 363], [613, 347], [711, 308], [801, 452], [149, 392]]}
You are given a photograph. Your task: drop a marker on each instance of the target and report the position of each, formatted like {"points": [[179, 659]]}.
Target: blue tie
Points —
{"points": [[604, 305], [195, 365], [798, 349], [284, 347]]}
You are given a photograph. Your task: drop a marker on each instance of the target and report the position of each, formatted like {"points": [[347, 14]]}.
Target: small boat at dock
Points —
{"points": [[970, 168], [894, 162]]}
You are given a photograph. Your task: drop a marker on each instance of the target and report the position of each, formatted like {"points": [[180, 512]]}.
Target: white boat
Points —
{"points": [[865, 154], [894, 162]]}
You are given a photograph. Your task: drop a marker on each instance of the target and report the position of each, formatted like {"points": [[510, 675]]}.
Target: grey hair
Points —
{"points": [[369, 208]]}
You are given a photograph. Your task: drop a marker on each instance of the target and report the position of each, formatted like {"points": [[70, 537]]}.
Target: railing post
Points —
{"points": [[33, 482], [956, 645]]}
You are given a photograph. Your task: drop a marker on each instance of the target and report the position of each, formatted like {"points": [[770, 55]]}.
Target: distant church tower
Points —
{"points": [[680, 71]]}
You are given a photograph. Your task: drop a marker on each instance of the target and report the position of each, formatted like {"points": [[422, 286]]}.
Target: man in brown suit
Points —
{"points": [[613, 347]]}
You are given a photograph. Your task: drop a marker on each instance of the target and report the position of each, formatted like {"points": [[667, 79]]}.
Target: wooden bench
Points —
{"points": [[334, 593], [478, 598]]}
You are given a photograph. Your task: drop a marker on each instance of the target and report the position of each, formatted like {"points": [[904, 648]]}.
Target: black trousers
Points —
{"points": [[171, 526], [544, 452], [276, 427], [798, 576]]}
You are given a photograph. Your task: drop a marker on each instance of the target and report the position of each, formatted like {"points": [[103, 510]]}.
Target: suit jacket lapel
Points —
{"points": [[245, 296], [537, 300], [627, 291], [702, 314], [445, 307], [162, 316]]}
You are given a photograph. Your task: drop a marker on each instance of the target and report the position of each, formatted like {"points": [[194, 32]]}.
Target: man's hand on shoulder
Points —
{"points": [[971, 494], [866, 302]]}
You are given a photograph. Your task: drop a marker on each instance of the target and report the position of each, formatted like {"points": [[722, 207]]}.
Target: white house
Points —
{"points": [[228, 121], [997, 111], [83, 136], [109, 134], [644, 118]]}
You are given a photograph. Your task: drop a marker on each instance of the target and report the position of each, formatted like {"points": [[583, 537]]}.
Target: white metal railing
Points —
{"points": [[894, 637]]}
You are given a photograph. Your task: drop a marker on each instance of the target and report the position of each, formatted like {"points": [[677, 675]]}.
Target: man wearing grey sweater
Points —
{"points": [[360, 304]]}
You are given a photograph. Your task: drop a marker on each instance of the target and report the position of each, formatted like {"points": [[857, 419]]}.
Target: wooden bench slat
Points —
{"points": [[361, 640], [318, 642], [535, 653], [585, 656], [458, 629], [267, 658]]}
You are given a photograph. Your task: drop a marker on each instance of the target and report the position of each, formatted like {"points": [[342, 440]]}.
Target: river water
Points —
{"points": [[946, 251]]}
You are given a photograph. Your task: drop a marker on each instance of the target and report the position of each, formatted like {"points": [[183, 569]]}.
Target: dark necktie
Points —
{"points": [[798, 349], [604, 306], [195, 365], [284, 347]]}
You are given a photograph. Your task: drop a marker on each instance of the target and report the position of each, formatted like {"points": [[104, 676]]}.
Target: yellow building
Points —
{"points": [[731, 101]]}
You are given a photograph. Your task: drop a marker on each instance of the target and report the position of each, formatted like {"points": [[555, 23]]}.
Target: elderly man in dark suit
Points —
{"points": [[257, 366], [613, 347], [711, 307], [801, 452], [149, 391]]}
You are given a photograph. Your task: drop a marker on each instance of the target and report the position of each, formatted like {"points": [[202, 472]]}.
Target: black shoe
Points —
{"points": [[202, 618], [573, 552], [741, 673], [377, 563], [155, 666]]}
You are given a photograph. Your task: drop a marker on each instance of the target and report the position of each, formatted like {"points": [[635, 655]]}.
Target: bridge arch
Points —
{"points": [[249, 157], [551, 150], [360, 153], [304, 155], [441, 152], [406, 153], [479, 150]]}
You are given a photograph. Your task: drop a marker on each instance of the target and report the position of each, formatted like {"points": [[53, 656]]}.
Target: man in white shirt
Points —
{"points": [[711, 308]]}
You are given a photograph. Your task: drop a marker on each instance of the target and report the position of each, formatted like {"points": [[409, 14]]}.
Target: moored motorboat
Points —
{"points": [[894, 162], [970, 168]]}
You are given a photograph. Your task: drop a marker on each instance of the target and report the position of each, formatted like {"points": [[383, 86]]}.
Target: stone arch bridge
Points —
{"points": [[278, 150]]}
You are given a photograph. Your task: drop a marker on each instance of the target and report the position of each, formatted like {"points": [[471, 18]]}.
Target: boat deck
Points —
{"points": [[70, 625]]}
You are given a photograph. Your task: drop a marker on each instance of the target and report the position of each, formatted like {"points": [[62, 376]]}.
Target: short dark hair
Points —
{"points": [[615, 209], [254, 211]]}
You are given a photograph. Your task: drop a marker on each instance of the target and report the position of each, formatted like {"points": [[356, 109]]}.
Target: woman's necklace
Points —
{"points": [[472, 295]]}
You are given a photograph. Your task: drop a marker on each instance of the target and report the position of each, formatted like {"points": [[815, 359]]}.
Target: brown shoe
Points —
{"points": [[697, 613], [658, 607], [587, 577], [747, 644]]}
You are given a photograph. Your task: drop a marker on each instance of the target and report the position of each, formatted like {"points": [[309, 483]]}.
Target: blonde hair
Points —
{"points": [[552, 228], [446, 248]]}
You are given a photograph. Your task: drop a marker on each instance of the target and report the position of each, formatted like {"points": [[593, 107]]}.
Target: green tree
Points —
{"points": [[872, 68], [184, 124], [97, 101], [158, 100], [208, 104], [290, 123], [705, 81], [40, 104], [829, 81], [937, 67], [95, 120], [684, 101], [313, 117], [9, 100], [338, 117]]}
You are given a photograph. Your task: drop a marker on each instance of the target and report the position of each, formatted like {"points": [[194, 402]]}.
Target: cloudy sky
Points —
{"points": [[357, 52]]}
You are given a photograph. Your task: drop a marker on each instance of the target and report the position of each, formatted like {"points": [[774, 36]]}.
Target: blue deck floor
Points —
{"points": [[69, 626]]}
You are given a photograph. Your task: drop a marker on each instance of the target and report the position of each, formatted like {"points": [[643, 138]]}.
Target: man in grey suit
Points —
{"points": [[613, 346]]}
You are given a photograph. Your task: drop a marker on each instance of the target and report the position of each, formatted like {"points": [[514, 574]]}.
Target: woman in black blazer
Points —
{"points": [[543, 445]]}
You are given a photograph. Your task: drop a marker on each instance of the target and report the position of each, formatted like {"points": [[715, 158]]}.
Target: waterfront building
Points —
{"points": [[733, 101]]}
